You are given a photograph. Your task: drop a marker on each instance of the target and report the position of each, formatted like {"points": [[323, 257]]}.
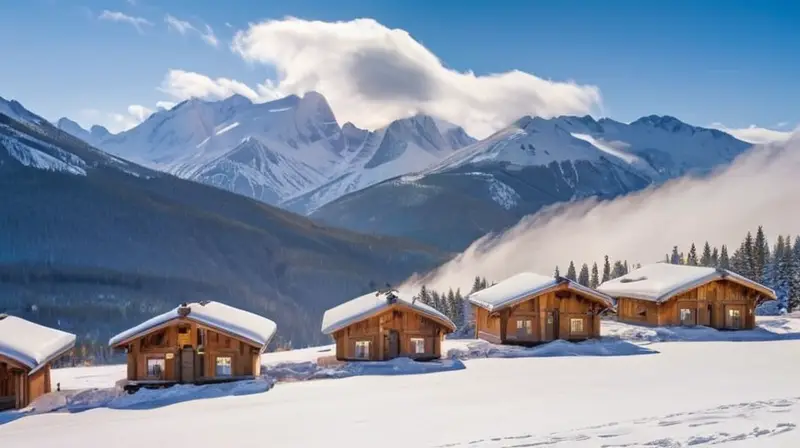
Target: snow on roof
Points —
{"points": [[244, 324], [367, 305], [30, 344], [660, 281], [526, 284]]}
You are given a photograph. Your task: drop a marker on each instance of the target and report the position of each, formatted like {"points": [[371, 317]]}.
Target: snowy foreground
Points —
{"points": [[637, 387]]}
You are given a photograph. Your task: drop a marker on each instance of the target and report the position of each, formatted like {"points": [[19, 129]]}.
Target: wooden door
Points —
{"points": [[393, 344], [187, 365], [551, 326]]}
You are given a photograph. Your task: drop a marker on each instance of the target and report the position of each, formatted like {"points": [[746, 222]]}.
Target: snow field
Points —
{"points": [[696, 391]]}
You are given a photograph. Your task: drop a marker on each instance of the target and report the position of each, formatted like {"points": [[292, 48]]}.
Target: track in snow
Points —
{"points": [[714, 426]]}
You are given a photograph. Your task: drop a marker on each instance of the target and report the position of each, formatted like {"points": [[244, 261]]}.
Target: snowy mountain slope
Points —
{"points": [[97, 243], [491, 184], [293, 145], [405, 146], [13, 109]]}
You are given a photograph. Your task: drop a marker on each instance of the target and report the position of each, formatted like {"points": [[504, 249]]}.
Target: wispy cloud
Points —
{"points": [[183, 27], [756, 135], [116, 16], [183, 85], [113, 121]]}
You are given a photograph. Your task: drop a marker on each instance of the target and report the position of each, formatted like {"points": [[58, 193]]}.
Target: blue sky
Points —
{"points": [[704, 62]]}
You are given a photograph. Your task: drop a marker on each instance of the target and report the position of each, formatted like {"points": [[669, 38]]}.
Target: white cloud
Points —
{"points": [[759, 188], [166, 105], [113, 121], [756, 135], [372, 75], [116, 16], [183, 85], [183, 27]]}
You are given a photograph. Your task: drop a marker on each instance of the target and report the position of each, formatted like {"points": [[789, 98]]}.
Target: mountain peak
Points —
{"points": [[665, 122]]}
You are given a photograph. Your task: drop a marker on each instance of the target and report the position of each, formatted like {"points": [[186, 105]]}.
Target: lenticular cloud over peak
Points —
{"points": [[372, 75]]}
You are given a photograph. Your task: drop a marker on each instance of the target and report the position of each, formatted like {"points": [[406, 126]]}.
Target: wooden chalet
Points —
{"points": [[195, 343], [384, 325], [528, 308], [669, 294], [26, 351]]}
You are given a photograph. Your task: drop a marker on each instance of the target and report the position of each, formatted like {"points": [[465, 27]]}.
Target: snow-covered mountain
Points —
{"points": [[97, 240], [278, 151], [535, 162]]}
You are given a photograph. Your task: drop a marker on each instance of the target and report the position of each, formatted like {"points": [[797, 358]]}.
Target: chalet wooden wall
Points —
{"points": [[711, 305], [556, 314], [17, 388], [168, 342], [376, 330]]}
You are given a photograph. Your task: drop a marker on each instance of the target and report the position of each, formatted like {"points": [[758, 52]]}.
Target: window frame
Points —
{"points": [[161, 362], [414, 341], [525, 324], [366, 350], [572, 321], [217, 366]]}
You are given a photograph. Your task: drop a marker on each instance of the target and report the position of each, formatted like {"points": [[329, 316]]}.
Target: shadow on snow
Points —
{"points": [[311, 370], [765, 332], [593, 347]]}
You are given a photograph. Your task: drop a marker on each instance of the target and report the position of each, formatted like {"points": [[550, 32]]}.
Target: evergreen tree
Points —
{"points": [[714, 258], [594, 281], [557, 273], [724, 261], [476, 285], [675, 258], [571, 274], [666, 258], [454, 308], [705, 259], [691, 260], [760, 251], [618, 270], [795, 272], [625, 265], [583, 277], [484, 283], [461, 309], [606, 271], [424, 296], [783, 277], [436, 301], [749, 257]]}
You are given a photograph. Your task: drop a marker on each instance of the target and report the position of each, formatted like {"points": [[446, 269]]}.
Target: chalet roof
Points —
{"points": [[30, 344], [370, 304], [660, 281], [241, 323], [519, 287]]}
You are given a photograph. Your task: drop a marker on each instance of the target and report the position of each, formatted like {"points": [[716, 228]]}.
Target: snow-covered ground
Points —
{"points": [[635, 388]]}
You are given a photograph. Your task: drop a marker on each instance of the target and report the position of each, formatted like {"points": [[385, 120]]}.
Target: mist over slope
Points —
{"points": [[761, 187]]}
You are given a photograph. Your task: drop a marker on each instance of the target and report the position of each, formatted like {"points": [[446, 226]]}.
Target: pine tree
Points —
{"points": [[618, 270], [436, 301], [760, 250], [675, 258], [594, 281], [606, 270], [795, 271], [783, 278], [625, 265], [691, 259], [705, 259], [454, 308], [583, 277], [476, 285], [484, 283], [714, 258], [424, 296], [571, 274], [460, 309], [557, 273], [724, 261], [666, 258], [749, 257]]}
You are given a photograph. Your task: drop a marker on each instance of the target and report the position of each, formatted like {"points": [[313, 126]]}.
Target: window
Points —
{"points": [[687, 316], [735, 314], [155, 367], [524, 326], [362, 349], [223, 366], [576, 325], [418, 345]]}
